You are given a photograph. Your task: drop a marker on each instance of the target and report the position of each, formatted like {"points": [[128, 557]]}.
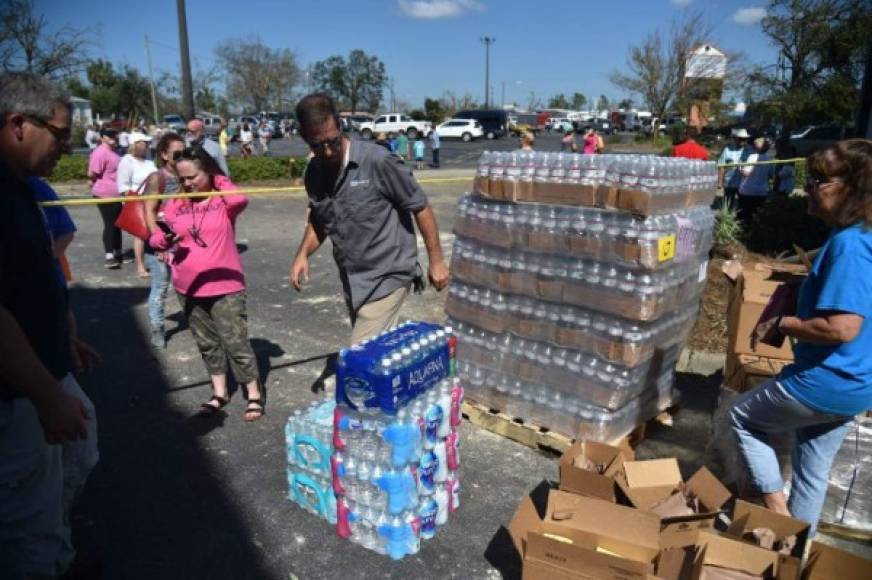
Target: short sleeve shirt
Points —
{"points": [[103, 163], [30, 288], [732, 154], [368, 217], [836, 378]]}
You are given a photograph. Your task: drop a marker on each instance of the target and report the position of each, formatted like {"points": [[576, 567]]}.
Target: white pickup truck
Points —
{"points": [[394, 123]]}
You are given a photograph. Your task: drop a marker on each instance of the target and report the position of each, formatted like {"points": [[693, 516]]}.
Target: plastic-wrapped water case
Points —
{"points": [[391, 369], [849, 498], [309, 446]]}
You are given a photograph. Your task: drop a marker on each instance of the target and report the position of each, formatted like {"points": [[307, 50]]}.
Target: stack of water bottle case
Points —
{"points": [[572, 316], [381, 462]]}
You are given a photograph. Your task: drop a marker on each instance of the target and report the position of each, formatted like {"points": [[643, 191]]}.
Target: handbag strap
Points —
{"points": [[144, 181]]}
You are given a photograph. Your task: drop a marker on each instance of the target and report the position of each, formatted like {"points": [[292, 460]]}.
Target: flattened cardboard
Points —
{"points": [[748, 517], [584, 482], [828, 563]]}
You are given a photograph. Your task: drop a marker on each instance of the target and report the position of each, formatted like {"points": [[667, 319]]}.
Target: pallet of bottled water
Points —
{"points": [[309, 448], [639, 184], [605, 236], [396, 459]]}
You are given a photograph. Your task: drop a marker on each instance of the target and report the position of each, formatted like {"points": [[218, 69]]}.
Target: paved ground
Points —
{"points": [[179, 496]]}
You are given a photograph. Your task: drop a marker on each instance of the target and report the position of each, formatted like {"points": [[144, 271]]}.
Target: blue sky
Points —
{"points": [[428, 46]]}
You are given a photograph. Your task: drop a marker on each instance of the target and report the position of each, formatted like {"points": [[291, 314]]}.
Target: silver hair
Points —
{"points": [[30, 94]]}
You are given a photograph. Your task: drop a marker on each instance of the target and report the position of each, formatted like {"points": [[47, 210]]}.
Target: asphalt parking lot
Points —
{"points": [[180, 496]]}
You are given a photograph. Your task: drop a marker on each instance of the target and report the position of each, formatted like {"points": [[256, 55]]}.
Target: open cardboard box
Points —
{"points": [[828, 563], [586, 482], [646, 483], [744, 371], [753, 286], [748, 517], [585, 537], [710, 549]]}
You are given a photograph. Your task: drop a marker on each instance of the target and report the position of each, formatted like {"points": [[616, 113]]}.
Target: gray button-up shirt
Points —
{"points": [[368, 217]]}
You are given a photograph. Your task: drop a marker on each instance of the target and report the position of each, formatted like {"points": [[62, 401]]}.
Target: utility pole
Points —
{"points": [[187, 88], [393, 97], [503, 94], [487, 41], [151, 82]]}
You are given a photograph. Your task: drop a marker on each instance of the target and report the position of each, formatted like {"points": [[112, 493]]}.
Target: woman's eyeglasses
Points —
{"points": [[813, 183]]}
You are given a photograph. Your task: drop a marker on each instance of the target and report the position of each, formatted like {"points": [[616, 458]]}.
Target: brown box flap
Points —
{"points": [[579, 561], [525, 520], [647, 482], [728, 553], [712, 494], [584, 482], [626, 531], [829, 563]]}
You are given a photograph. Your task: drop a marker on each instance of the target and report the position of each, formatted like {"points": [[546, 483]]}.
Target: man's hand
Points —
{"points": [[437, 272], [63, 419], [299, 272], [85, 358]]}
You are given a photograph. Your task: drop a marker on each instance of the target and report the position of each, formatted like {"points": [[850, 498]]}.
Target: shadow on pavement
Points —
{"points": [[156, 504], [501, 552]]}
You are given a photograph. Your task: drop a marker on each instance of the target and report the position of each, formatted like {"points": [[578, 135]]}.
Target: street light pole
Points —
{"points": [[487, 41], [151, 82], [187, 88]]}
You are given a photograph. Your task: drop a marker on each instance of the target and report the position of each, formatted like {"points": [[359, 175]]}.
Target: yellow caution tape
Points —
{"points": [[770, 162], [257, 191]]}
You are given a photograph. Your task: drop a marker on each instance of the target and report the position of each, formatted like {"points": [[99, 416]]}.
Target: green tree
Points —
{"points": [[115, 93], [256, 76], [578, 101], [603, 103], [435, 110], [558, 101], [625, 103], [821, 46], [357, 81]]}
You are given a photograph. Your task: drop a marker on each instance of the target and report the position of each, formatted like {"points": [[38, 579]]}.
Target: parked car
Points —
{"points": [[356, 120], [463, 129], [494, 122], [175, 122], [211, 124], [602, 125], [562, 123], [523, 123], [394, 123], [810, 139]]}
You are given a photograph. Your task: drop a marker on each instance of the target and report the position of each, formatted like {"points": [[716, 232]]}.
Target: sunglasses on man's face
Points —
{"points": [[332, 144], [61, 134]]}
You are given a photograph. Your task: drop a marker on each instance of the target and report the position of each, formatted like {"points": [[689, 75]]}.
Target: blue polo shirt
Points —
{"points": [[836, 378]]}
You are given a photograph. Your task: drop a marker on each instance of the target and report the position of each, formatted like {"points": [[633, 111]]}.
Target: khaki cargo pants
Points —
{"points": [[378, 316]]}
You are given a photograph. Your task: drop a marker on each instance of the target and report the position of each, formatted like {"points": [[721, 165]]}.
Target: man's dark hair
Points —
{"points": [[314, 110]]}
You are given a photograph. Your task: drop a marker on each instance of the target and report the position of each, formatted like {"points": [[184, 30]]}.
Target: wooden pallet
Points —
{"points": [[538, 437]]}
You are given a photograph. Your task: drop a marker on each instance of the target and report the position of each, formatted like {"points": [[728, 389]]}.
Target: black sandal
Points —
{"points": [[207, 409], [254, 406]]}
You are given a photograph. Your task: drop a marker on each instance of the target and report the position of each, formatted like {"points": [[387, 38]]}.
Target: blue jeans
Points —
{"points": [[770, 408], [157, 297]]}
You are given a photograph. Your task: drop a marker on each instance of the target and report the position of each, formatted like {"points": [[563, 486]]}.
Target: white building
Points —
{"points": [[705, 62], [82, 114]]}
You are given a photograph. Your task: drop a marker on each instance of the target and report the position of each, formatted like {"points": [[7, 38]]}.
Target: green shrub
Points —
{"points": [[728, 228], [783, 221], [70, 168], [265, 168]]}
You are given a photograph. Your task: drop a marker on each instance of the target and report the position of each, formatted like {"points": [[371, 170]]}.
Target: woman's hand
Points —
{"points": [[767, 332]]}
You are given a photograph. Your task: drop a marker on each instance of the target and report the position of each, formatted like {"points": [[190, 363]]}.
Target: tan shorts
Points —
{"points": [[378, 316]]}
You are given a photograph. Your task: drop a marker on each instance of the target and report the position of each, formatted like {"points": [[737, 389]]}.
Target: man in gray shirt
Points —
{"points": [[197, 136], [365, 199]]}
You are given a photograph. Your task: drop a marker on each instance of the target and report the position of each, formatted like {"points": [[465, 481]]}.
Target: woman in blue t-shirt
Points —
{"points": [[830, 381]]}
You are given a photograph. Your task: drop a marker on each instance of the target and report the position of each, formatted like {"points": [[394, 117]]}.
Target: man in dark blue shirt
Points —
{"points": [[36, 412]]}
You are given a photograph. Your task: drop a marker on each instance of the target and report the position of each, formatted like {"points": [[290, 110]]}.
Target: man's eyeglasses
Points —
{"points": [[62, 134], [333, 144]]}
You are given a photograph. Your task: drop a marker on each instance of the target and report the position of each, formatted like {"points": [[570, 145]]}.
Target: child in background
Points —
{"points": [[419, 152]]}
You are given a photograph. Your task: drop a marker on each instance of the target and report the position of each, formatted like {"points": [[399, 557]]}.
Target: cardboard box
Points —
{"points": [[585, 482], [753, 287], [646, 483], [748, 517], [743, 372], [828, 563], [584, 537], [711, 549]]}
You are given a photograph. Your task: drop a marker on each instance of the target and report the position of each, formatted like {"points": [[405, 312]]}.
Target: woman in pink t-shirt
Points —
{"points": [[207, 274], [591, 141], [102, 172]]}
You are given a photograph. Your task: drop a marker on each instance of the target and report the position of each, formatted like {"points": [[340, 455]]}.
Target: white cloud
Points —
{"points": [[433, 9], [748, 16], [681, 3]]}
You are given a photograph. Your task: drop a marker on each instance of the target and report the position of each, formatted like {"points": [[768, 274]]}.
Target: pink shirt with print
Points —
{"points": [[213, 270], [103, 165]]}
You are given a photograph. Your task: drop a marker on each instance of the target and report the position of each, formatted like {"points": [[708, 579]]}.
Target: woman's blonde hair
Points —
{"points": [[849, 161]]}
